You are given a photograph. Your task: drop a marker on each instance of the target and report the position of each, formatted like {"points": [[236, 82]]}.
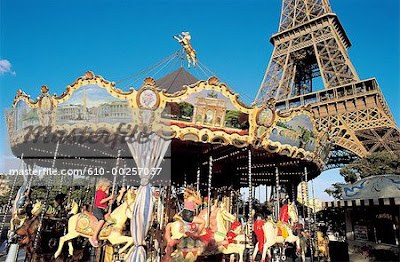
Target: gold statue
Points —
{"points": [[184, 40]]}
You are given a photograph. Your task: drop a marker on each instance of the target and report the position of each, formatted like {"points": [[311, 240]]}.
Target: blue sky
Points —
{"points": [[54, 42]]}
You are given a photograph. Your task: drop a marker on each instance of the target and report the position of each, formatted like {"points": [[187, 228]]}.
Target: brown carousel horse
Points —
{"points": [[26, 232], [26, 235]]}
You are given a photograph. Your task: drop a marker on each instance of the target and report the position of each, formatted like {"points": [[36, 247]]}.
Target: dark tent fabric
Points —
{"points": [[174, 81]]}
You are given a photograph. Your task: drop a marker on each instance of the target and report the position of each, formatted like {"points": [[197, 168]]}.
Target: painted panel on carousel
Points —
{"points": [[25, 116], [373, 187], [299, 131], [324, 146], [206, 108], [93, 104]]}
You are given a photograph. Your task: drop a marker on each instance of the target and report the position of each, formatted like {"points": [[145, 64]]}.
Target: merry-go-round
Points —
{"points": [[170, 160]]}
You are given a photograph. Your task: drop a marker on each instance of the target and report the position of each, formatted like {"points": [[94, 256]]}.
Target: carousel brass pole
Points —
{"points": [[314, 216], [60, 186], [46, 200], [210, 166], [237, 195], [94, 193], [124, 175], [250, 220], [254, 190], [31, 176], [231, 201], [243, 205], [308, 214], [293, 193], [71, 186], [277, 196], [115, 175], [271, 194], [198, 179], [303, 199], [9, 202]]}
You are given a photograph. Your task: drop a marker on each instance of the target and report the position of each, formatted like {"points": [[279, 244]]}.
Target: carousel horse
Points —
{"points": [[270, 233], [74, 208], [180, 231], [225, 245], [322, 245], [16, 223], [17, 220], [215, 236], [83, 224], [19, 217], [26, 233]]}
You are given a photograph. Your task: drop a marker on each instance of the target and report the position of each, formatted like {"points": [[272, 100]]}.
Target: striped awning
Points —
{"points": [[363, 202]]}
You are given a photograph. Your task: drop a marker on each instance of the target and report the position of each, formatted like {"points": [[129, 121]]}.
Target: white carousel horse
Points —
{"points": [[184, 40], [218, 217], [270, 233], [83, 224]]}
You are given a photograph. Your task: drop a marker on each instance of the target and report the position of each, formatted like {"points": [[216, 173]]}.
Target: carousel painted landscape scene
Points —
{"points": [[94, 104], [106, 158]]}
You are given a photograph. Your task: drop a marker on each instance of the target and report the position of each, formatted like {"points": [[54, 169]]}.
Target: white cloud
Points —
{"points": [[5, 67]]}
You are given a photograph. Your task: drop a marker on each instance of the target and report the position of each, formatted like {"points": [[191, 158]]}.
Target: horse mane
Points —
{"points": [[284, 214]]}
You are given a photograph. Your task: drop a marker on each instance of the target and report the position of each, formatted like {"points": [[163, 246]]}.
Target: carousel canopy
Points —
{"points": [[88, 124]]}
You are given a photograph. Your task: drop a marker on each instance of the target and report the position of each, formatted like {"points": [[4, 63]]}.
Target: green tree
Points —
{"points": [[284, 124], [232, 118], [39, 188], [335, 190], [186, 109], [305, 137], [376, 164], [373, 165]]}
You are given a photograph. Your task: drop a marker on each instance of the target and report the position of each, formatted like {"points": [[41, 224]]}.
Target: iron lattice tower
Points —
{"points": [[311, 43]]}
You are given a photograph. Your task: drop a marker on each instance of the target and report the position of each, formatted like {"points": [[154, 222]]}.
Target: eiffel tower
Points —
{"points": [[312, 43]]}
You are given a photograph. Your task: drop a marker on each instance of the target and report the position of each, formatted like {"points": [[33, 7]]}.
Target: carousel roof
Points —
{"points": [[173, 82]]}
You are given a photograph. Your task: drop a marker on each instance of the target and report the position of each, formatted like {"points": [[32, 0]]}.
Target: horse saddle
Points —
{"points": [[282, 230], [87, 222], [190, 227]]}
